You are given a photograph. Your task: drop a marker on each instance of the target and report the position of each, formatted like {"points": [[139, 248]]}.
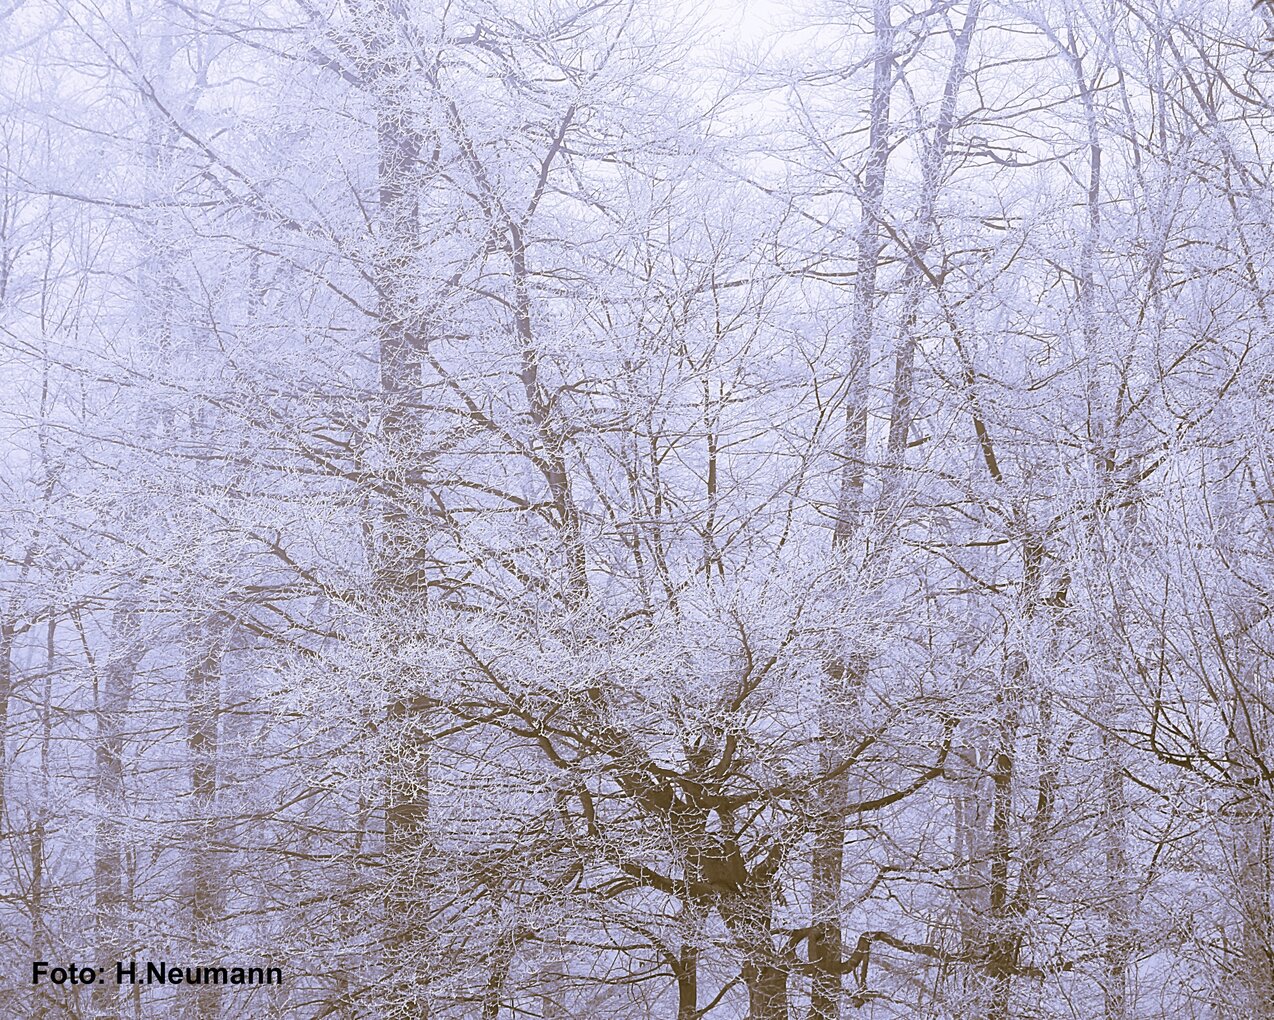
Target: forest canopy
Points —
{"points": [[625, 508]]}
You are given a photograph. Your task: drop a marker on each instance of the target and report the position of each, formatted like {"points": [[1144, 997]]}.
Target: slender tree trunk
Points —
{"points": [[767, 991], [552, 994], [687, 972], [203, 698], [1118, 897], [8, 843], [845, 675], [493, 994], [1002, 936], [6, 689], [398, 558], [553, 460], [114, 700], [1103, 441], [1253, 868], [917, 276], [749, 917], [39, 825]]}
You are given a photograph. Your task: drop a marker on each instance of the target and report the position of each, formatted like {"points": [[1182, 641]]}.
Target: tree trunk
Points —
{"points": [[748, 914], [6, 689], [918, 276], [1253, 868], [398, 558], [767, 991], [687, 972], [845, 676], [114, 699], [203, 699]]}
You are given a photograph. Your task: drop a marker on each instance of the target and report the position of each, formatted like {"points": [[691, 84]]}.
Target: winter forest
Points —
{"points": [[623, 509]]}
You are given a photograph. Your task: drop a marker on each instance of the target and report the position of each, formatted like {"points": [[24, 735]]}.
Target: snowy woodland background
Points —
{"points": [[620, 508]]}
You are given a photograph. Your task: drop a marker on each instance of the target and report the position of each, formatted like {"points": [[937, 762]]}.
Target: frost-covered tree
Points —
{"points": [[584, 509]]}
